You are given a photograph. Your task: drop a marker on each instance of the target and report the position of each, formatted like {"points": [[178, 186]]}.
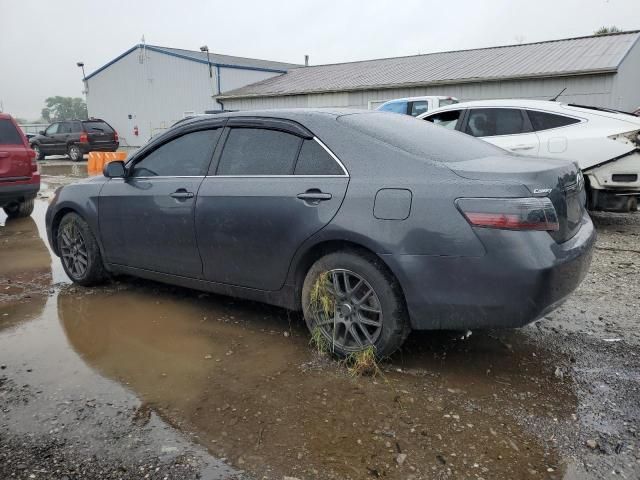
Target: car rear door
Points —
{"points": [[552, 134], [15, 157], [146, 219], [271, 186], [508, 128]]}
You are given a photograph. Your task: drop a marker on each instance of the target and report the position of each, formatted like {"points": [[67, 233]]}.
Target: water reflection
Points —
{"points": [[226, 370]]}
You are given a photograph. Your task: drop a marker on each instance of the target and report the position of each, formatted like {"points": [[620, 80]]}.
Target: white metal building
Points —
{"points": [[595, 70], [151, 87]]}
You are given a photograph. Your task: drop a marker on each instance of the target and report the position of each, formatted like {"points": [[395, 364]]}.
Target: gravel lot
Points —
{"points": [[141, 380]]}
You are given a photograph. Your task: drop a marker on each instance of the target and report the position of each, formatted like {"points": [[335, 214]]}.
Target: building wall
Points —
{"points": [[595, 90], [157, 90], [626, 88]]}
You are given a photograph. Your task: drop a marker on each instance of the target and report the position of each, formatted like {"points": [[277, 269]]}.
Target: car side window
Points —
{"points": [[52, 129], [65, 127], [418, 107], [314, 160], [76, 127], [489, 122], [546, 121], [395, 107], [185, 156], [448, 119], [258, 151]]}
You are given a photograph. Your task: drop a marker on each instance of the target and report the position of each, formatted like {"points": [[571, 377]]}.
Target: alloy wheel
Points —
{"points": [[74, 251], [347, 310]]}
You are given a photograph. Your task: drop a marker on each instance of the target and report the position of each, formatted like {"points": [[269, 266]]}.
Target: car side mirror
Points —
{"points": [[41, 132], [114, 170]]}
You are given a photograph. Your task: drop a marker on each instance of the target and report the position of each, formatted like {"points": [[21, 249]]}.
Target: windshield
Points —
{"points": [[419, 137]]}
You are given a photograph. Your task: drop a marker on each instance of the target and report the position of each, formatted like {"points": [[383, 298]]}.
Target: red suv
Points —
{"points": [[19, 176]]}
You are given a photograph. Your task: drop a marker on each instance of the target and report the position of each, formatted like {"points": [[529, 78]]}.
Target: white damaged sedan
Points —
{"points": [[604, 143]]}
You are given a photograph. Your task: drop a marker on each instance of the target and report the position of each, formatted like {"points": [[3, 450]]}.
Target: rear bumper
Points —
{"points": [[523, 276], [107, 147], [19, 191]]}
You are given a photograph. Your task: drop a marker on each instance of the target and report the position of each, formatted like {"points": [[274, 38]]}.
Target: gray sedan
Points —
{"points": [[371, 223]]}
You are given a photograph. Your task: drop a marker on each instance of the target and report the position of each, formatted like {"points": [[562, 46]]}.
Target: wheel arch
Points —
{"points": [[314, 252]]}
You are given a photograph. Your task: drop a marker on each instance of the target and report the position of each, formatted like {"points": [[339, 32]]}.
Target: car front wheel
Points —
{"points": [[353, 303], [75, 154], [79, 251]]}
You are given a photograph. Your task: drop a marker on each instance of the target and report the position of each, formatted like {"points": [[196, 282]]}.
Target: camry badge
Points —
{"points": [[541, 191]]}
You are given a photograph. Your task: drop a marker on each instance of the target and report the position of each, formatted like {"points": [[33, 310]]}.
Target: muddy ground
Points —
{"points": [[141, 380]]}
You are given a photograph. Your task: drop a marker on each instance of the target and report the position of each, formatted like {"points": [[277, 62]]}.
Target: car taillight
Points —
{"points": [[510, 213], [115, 136], [34, 163], [84, 138]]}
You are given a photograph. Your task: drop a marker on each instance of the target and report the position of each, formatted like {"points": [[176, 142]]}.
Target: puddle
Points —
{"points": [[241, 378]]}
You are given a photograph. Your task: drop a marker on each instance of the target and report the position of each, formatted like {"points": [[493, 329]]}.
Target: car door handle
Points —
{"points": [[314, 196], [181, 194], [523, 147]]}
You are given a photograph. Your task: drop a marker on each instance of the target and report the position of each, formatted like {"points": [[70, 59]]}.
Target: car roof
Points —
{"points": [[546, 105], [5, 116], [295, 114]]}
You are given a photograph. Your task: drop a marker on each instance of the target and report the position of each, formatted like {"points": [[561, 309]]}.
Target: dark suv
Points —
{"points": [[19, 176], [75, 138]]}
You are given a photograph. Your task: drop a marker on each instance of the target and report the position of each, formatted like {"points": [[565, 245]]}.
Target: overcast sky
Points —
{"points": [[40, 42]]}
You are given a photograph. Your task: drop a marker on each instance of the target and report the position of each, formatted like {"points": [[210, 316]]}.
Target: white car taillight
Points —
{"points": [[631, 138]]}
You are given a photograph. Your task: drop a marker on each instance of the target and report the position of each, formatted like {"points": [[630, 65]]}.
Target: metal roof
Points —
{"points": [[572, 56], [216, 59]]}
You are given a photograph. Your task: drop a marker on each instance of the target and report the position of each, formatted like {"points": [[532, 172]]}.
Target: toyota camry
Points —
{"points": [[372, 224]]}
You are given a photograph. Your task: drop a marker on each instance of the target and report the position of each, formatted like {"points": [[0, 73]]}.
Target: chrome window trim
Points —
{"points": [[326, 149]]}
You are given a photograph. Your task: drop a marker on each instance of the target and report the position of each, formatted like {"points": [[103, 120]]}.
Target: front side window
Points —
{"points": [[546, 121], [489, 122], [394, 107], [314, 160], [447, 119], [185, 156], [8, 133], [257, 151], [419, 107], [52, 129]]}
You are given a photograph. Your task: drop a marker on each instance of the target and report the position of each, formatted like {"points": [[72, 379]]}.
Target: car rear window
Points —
{"points": [[97, 126], [419, 137], [545, 121], [9, 135]]}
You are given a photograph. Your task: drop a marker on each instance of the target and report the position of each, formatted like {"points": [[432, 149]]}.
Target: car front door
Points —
{"points": [[272, 189], [48, 140], [146, 218], [508, 128]]}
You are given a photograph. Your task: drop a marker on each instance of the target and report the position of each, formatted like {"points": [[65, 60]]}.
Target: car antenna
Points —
{"points": [[556, 97]]}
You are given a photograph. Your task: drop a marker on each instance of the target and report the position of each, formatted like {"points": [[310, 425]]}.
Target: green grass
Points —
{"points": [[363, 363], [319, 341]]}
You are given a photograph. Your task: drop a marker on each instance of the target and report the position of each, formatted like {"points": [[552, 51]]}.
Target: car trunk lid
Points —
{"points": [[559, 180], [99, 133]]}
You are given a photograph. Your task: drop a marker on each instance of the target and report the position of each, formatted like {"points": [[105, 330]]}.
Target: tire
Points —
{"points": [[36, 148], [74, 152], [79, 251], [344, 315], [19, 209]]}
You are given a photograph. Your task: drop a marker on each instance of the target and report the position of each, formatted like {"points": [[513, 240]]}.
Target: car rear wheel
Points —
{"points": [[354, 303], [78, 248], [36, 148], [19, 209], [75, 154]]}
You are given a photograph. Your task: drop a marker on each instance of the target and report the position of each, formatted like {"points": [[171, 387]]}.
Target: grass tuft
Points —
{"points": [[363, 363], [319, 341]]}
